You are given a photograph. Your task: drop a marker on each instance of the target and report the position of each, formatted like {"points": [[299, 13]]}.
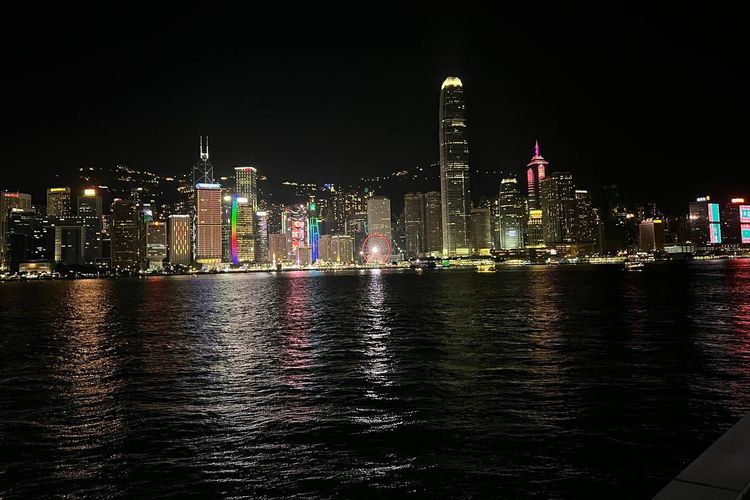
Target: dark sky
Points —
{"points": [[652, 100]]}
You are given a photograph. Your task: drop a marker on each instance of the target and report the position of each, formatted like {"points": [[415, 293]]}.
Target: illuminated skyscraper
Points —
{"points": [[124, 233], [261, 236], [246, 185], [481, 232], [156, 244], [379, 216], [510, 215], [705, 222], [414, 224], [535, 174], [342, 249], [313, 230], [584, 225], [243, 238], [179, 239], [433, 224], [558, 201], [454, 169], [735, 222], [58, 202], [9, 201], [208, 224], [90, 211]]}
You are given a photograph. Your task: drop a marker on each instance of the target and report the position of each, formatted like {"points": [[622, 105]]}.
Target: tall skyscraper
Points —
{"points": [[124, 234], [156, 244], [433, 223], [20, 237], [246, 185], [735, 222], [208, 224], [705, 222], [379, 216], [584, 225], [481, 231], [8, 201], [277, 248], [313, 233], [510, 215], [342, 249], [58, 202], [414, 224], [89, 208], [651, 235], [261, 236], [179, 239], [454, 169], [243, 237], [535, 174], [557, 194]]}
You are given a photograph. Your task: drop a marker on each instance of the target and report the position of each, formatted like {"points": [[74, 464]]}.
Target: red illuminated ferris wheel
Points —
{"points": [[376, 249]]}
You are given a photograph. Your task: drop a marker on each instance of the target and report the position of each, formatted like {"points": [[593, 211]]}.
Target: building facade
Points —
{"points": [[454, 169]]}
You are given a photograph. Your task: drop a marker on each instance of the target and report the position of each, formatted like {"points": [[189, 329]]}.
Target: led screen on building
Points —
{"points": [[713, 212], [715, 232], [745, 214], [745, 233]]}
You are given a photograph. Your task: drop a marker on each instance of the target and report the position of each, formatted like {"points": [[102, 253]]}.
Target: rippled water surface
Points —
{"points": [[558, 381]]}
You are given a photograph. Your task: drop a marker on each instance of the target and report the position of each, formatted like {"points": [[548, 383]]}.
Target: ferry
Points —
{"points": [[634, 266], [486, 268]]}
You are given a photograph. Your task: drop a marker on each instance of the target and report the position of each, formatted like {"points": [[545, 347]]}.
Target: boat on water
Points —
{"points": [[486, 268], [634, 266]]}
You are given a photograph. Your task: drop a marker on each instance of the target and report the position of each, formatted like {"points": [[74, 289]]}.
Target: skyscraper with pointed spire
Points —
{"points": [[535, 174], [454, 169]]}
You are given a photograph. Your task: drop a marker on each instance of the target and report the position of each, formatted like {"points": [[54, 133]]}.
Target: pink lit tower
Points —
{"points": [[534, 176]]}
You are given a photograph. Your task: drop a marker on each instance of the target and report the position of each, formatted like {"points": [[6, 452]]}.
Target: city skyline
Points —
{"points": [[586, 103]]}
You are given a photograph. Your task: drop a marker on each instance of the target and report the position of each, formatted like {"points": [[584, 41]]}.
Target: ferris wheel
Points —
{"points": [[376, 249]]}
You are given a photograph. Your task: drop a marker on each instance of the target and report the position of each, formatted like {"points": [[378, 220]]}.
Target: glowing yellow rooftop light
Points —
{"points": [[452, 81]]}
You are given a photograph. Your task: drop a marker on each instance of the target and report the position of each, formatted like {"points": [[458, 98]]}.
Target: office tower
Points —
{"points": [[342, 249], [208, 224], [705, 222], [179, 239], [454, 169], [414, 224], [70, 243], [557, 195], [227, 197], [261, 236], [243, 237], [89, 210], [433, 223], [584, 224], [343, 206], [246, 185], [277, 248], [20, 237], [481, 231], [8, 201], [156, 244], [324, 248], [379, 216], [313, 225], [651, 235], [124, 234], [510, 215], [302, 257], [58, 202], [535, 174], [735, 222]]}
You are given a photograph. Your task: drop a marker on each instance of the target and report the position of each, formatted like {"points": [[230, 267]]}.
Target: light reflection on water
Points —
{"points": [[542, 381]]}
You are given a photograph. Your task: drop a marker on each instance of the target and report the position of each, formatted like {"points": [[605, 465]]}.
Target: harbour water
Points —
{"points": [[548, 381]]}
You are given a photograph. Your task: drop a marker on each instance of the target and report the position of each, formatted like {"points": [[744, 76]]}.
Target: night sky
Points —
{"points": [[654, 101]]}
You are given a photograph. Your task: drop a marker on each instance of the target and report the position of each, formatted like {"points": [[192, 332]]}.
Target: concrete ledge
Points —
{"points": [[721, 472]]}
